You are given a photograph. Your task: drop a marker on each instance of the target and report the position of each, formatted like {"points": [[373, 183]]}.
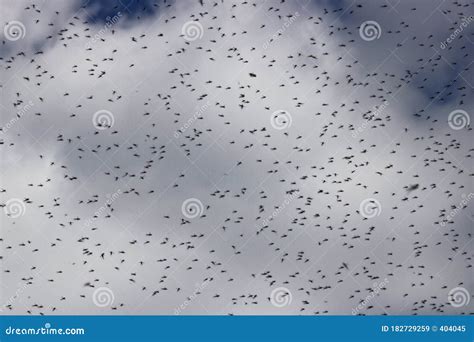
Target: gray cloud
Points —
{"points": [[231, 158]]}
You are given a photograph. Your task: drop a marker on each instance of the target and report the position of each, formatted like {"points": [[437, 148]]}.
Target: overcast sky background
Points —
{"points": [[310, 61]]}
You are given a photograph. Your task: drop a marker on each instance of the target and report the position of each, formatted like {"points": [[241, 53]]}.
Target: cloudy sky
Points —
{"points": [[265, 157]]}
